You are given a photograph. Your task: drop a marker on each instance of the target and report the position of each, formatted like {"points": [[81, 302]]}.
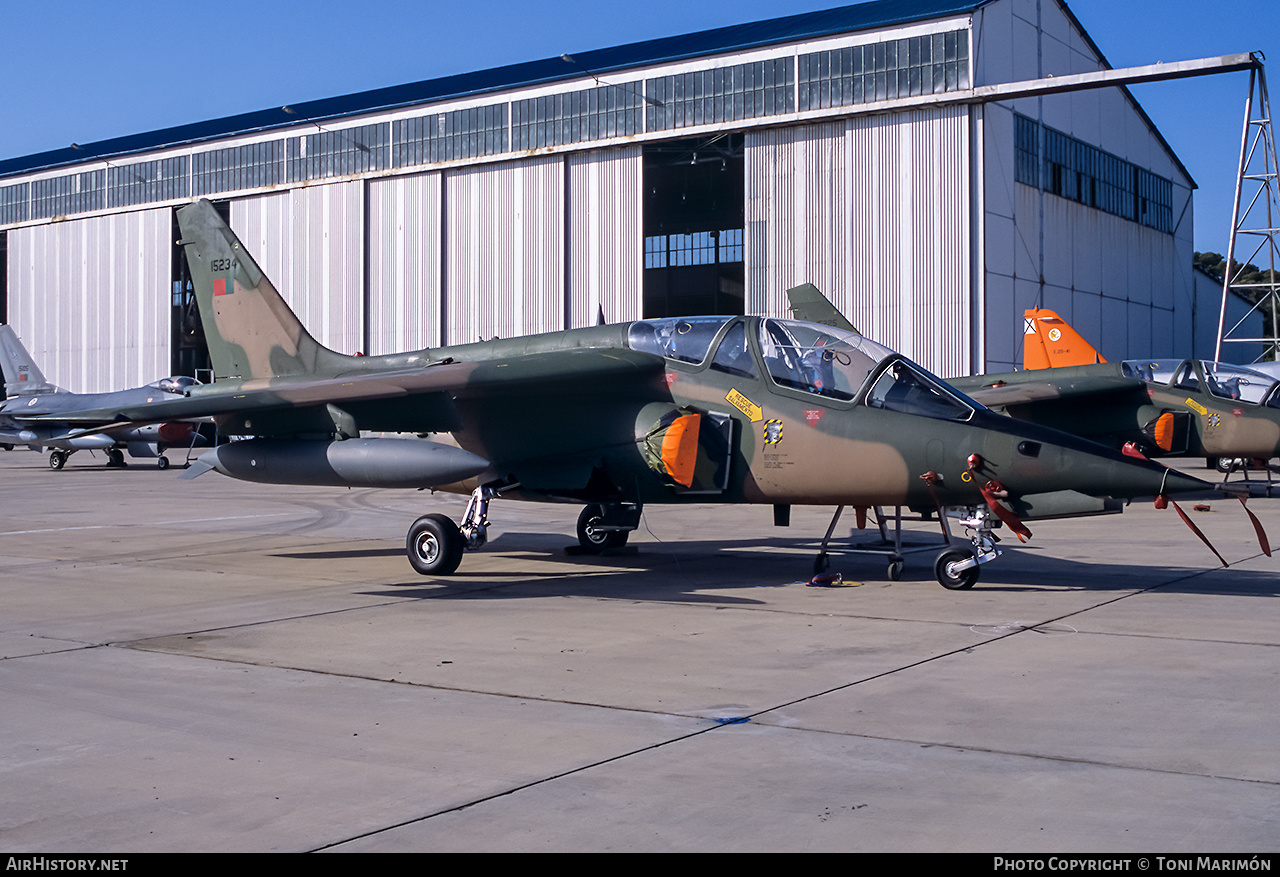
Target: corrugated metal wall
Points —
{"points": [[797, 214], [90, 298], [310, 242], [606, 259], [505, 242], [875, 212], [405, 264], [910, 244]]}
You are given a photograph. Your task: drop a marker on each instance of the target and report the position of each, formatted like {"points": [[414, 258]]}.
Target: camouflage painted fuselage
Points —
{"points": [[1105, 403], [564, 416], [787, 412]]}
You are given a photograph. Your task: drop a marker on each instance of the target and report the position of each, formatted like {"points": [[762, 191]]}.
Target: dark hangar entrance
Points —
{"points": [[694, 202], [189, 350]]}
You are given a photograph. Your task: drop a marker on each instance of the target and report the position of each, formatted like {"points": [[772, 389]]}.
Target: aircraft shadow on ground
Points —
{"points": [[706, 570]]}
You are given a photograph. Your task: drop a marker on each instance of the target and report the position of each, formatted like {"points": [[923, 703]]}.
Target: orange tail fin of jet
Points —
{"points": [[1050, 343]]}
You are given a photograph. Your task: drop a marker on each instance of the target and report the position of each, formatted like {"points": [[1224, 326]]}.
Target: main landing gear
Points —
{"points": [[435, 544], [601, 527], [115, 459], [955, 566]]}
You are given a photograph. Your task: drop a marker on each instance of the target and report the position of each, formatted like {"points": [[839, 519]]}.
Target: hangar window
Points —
{"points": [[13, 203], [572, 117], [338, 152], [161, 180], [252, 166], [927, 64], [459, 134], [724, 94], [1026, 136], [1073, 169], [698, 248], [73, 193]]}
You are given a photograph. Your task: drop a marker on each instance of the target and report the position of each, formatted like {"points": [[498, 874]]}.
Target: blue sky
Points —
{"points": [[84, 70]]}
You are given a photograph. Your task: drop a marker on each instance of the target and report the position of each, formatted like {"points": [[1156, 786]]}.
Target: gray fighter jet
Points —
{"points": [[28, 415]]}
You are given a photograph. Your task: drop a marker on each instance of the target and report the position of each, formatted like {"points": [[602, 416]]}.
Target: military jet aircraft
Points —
{"points": [[1163, 407], [41, 415], [673, 410]]}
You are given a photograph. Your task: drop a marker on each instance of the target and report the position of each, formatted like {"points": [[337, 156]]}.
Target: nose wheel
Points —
{"points": [[951, 570]]}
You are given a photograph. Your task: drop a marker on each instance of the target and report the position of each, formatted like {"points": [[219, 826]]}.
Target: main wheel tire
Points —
{"points": [[57, 459], [115, 458], [434, 545], [162, 462], [6, 446], [594, 540], [960, 581]]}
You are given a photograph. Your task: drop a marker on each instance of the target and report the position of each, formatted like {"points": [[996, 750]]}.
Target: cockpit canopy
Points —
{"points": [[176, 384], [686, 339], [1221, 379], [822, 360]]}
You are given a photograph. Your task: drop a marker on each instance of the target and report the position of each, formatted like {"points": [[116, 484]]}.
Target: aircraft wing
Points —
{"points": [[1001, 391], [553, 374]]}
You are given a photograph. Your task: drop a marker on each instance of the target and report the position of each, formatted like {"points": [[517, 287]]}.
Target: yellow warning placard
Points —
{"points": [[1197, 407], [745, 405]]}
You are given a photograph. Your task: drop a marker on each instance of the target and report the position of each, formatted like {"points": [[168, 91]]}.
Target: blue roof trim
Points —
{"points": [[738, 37]]}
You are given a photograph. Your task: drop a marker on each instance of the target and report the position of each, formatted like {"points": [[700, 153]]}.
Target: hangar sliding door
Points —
{"points": [[605, 258], [310, 242], [796, 215], [910, 255], [90, 298], [875, 212], [505, 257], [405, 280]]}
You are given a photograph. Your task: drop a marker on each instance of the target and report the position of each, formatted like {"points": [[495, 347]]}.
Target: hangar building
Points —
{"points": [[703, 173]]}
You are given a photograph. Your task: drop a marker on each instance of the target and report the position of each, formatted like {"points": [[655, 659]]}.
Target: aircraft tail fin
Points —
{"points": [[1050, 342], [809, 304], [250, 330], [22, 377]]}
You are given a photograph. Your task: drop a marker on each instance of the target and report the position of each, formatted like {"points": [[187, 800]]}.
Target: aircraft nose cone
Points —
{"points": [[1041, 459]]}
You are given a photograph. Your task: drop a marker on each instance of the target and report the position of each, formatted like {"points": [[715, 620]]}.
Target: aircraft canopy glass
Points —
{"points": [[177, 384], [683, 338], [1154, 371], [1222, 379], [818, 359], [1235, 382], [901, 387]]}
